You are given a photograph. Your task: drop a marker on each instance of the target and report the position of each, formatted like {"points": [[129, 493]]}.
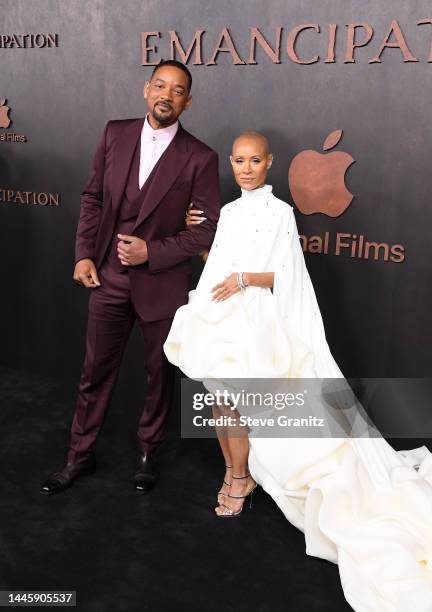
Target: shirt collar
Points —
{"points": [[261, 191], [148, 134]]}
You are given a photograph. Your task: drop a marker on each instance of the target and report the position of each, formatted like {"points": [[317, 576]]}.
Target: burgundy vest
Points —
{"points": [[133, 198]]}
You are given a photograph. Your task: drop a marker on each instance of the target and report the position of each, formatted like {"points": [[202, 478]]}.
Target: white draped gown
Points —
{"points": [[360, 503]]}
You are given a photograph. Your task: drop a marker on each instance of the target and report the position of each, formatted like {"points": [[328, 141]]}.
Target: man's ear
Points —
{"points": [[146, 88], [188, 102]]}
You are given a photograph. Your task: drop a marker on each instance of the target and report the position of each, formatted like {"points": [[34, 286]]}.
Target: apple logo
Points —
{"points": [[317, 180], [4, 110]]}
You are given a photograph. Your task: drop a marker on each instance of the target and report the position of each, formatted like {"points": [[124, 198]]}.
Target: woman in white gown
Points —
{"points": [[359, 503]]}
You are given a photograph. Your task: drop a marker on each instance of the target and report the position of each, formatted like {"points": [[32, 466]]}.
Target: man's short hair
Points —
{"points": [[176, 64]]}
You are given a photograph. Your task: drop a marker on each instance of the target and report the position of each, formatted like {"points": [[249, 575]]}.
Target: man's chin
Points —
{"points": [[163, 118]]}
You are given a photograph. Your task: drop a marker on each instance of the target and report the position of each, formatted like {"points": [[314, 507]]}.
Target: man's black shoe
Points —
{"points": [[145, 478], [59, 481]]}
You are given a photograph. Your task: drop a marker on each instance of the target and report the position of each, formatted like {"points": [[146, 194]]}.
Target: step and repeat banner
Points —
{"points": [[341, 88]]}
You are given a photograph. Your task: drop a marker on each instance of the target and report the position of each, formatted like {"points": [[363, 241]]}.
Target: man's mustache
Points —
{"points": [[163, 104]]}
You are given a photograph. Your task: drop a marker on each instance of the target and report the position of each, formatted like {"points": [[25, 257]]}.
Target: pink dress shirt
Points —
{"points": [[153, 144]]}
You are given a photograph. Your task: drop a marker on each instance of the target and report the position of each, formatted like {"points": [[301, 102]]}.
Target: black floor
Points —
{"points": [[122, 552]]}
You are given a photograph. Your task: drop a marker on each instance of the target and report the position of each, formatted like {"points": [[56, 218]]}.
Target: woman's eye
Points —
{"points": [[256, 161]]}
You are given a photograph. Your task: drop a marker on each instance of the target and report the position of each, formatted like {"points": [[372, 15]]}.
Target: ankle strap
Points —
{"points": [[228, 467], [241, 477]]}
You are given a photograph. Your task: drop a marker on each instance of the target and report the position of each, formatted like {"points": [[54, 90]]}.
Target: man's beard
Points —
{"points": [[162, 117]]}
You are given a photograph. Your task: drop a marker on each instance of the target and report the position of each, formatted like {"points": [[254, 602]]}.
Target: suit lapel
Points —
{"points": [[168, 168], [122, 159]]}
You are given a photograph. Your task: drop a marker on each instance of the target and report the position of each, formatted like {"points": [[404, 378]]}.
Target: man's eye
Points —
{"points": [[179, 93]]}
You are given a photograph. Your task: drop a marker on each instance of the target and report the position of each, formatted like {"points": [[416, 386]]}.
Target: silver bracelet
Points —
{"points": [[240, 281]]}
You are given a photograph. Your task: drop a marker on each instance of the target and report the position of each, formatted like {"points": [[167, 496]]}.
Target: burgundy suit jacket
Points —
{"points": [[187, 172]]}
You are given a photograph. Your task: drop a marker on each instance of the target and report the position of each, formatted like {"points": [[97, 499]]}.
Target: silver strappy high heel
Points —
{"points": [[228, 484], [231, 512]]}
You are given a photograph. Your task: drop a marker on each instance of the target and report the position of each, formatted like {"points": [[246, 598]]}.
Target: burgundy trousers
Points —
{"points": [[110, 321]]}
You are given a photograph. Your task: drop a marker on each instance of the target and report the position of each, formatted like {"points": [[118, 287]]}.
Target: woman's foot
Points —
{"points": [[221, 497], [241, 488]]}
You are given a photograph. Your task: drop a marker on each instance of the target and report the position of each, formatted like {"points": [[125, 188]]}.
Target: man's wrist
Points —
{"points": [[83, 256], [81, 259], [144, 251], [246, 278]]}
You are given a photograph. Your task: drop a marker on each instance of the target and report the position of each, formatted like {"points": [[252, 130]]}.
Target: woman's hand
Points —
{"points": [[250, 279], [226, 289], [193, 216]]}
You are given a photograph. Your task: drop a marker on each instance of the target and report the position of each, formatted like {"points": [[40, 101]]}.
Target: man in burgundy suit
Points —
{"points": [[133, 252]]}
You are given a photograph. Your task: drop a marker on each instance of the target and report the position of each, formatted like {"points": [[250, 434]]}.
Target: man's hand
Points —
{"points": [[85, 274], [131, 250]]}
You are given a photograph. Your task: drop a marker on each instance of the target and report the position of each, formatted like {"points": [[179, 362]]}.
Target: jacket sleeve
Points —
{"points": [[168, 252], [91, 204]]}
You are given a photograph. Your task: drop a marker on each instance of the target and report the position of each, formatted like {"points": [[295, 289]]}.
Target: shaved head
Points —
{"points": [[250, 160], [255, 137]]}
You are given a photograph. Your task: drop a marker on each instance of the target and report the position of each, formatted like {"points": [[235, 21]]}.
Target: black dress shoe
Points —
{"points": [[145, 478], [59, 481]]}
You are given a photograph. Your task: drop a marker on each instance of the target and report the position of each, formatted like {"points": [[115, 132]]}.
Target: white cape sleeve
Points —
{"points": [[296, 303], [299, 312]]}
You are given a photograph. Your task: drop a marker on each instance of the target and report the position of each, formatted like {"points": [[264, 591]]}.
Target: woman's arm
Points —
{"points": [[193, 218], [231, 285], [259, 279]]}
